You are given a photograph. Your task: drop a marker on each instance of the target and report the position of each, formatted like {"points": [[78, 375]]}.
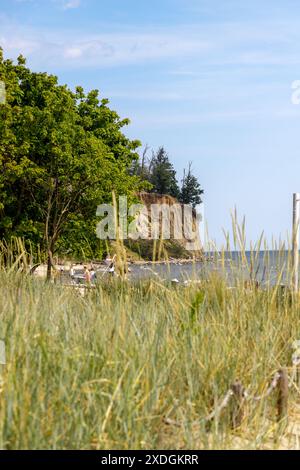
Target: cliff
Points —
{"points": [[168, 228]]}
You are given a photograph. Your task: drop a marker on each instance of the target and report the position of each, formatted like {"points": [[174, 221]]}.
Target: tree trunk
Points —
{"points": [[50, 262], [49, 265]]}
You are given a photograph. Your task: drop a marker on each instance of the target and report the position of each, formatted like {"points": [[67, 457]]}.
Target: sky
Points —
{"points": [[210, 80]]}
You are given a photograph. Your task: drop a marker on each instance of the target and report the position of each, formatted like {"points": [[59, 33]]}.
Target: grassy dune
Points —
{"points": [[107, 370]]}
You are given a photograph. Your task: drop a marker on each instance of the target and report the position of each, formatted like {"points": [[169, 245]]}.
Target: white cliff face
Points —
{"points": [[163, 217]]}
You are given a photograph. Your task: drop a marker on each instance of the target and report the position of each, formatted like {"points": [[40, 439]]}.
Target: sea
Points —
{"points": [[264, 267]]}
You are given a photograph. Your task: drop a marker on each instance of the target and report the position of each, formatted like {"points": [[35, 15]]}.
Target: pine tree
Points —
{"points": [[163, 175], [191, 190]]}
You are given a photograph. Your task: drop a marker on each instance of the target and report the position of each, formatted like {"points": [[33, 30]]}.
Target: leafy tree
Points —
{"points": [[61, 154], [163, 175], [191, 190]]}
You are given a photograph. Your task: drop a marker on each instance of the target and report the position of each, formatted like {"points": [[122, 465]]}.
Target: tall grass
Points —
{"points": [[104, 371]]}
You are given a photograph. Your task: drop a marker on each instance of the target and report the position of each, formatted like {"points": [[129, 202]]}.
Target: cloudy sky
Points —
{"points": [[211, 80]]}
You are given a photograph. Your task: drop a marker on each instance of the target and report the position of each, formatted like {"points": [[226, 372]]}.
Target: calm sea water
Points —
{"points": [[265, 267]]}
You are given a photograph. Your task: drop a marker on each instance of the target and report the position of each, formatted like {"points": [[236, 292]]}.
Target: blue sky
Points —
{"points": [[208, 79]]}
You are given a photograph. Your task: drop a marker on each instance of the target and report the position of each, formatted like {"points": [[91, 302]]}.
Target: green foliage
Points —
{"points": [[147, 249], [61, 154], [196, 304], [191, 190], [163, 175], [160, 173]]}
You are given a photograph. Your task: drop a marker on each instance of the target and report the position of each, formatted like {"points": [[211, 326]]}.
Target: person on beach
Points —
{"points": [[93, 274], [111, 269], [110, 263], [72, 274], [87, 275], [108, 260]]}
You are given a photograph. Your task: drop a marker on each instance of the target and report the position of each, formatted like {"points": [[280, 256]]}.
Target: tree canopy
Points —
{"points": [[61, 154], [160, 172], [163, 175], [191, 191]]}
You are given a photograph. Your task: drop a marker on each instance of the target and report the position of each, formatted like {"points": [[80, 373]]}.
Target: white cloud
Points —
{"points": [[240, 44], [128, 48], [73, 52], [79, 49], [64, 4], [71, 4]]}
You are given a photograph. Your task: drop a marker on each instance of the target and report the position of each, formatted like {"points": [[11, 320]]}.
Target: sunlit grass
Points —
{"points": [[105, 370]]}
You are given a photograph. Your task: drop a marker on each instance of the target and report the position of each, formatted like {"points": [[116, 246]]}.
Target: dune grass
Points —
{"points": [[106, 370]]}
